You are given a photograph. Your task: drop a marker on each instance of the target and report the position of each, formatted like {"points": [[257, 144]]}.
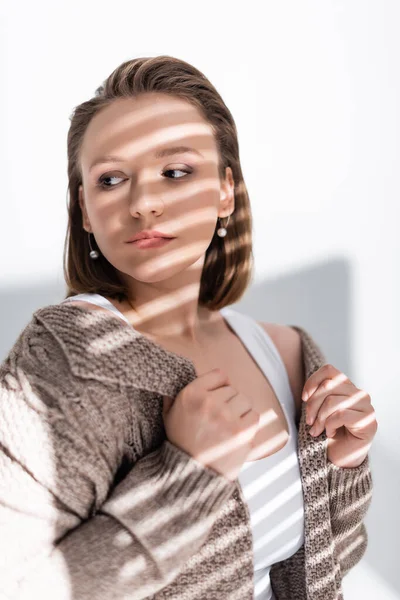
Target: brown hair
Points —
{"points": [[228, 264]]}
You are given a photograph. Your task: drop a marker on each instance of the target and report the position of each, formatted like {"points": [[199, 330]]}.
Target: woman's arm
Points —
{"points": [[64, 531]]}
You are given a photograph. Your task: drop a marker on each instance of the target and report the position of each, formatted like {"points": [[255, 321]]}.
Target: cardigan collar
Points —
{"points": [[100, 345]]}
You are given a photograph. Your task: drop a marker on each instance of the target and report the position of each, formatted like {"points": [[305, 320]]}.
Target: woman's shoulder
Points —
{"points": [[61, 359], [72, 340], [40, 347], [75, 318], [294, 341]]}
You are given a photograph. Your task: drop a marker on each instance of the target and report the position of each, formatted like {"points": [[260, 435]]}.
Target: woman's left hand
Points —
{"points": [[334, 403]]}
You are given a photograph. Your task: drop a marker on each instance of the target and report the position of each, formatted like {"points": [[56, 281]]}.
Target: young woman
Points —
{"points": [[153, 440]]}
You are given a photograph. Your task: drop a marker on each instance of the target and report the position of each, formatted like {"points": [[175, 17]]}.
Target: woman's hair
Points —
{"points": [[228, 265]]}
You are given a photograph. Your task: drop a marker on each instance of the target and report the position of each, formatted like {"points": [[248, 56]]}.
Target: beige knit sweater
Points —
{"points": [[96, 503]]}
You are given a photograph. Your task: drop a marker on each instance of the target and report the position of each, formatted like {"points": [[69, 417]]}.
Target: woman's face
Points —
{"points": [[149, 187]]}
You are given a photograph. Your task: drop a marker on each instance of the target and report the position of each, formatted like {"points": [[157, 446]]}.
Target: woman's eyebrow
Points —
{"points": [[110, 158]]}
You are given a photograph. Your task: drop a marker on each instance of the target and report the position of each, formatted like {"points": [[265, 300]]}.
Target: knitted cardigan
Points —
{"points": [[97, 504]]}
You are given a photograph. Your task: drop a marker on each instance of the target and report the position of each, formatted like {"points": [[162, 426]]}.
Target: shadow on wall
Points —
{"points": [[318, 298], [17, 306]]}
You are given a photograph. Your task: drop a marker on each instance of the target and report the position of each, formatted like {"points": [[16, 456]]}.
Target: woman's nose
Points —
{"points": [[145, 201]]}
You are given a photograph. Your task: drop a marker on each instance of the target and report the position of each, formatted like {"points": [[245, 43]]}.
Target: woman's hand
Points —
{"points": [[334, 403], [212, 422]]}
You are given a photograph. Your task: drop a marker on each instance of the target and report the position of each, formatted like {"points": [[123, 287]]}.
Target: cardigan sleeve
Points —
{"points": [[64, 528], [350, 493]]}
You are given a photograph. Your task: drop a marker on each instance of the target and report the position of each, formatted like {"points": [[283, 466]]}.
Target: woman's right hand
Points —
{"points": [[212, 422]]}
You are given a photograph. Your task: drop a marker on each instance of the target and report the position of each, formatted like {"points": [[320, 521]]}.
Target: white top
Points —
{"points": [[271, 486]]}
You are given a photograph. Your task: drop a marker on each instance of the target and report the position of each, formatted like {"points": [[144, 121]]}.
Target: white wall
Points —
{"points": [[314, 89]]}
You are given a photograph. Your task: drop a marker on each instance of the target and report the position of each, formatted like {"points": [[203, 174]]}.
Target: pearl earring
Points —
{"points": [[222, 230], [93, 253]]}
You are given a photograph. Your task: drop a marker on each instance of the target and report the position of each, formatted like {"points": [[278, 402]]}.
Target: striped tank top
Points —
{"points": [[271, 486]]}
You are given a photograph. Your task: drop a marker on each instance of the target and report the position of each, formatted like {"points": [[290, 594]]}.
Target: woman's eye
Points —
{"points": [[176, 171], [102, 181]]}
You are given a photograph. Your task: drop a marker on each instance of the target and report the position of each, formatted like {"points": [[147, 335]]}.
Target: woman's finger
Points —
{"points": [[334, 404], [356, 422], [326, 388], [327, 371]]}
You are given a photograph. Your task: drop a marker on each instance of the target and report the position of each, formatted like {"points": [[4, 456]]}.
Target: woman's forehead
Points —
{"points": [[141, 127]]}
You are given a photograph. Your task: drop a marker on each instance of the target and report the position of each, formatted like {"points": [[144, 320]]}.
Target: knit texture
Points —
{"points": [[97, 504]]}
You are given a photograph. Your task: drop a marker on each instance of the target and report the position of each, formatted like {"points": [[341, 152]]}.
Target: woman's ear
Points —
{"points": [[227, 198]]}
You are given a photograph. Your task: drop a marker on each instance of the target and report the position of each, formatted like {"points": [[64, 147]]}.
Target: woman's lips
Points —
{"points": [[155, 242]]}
